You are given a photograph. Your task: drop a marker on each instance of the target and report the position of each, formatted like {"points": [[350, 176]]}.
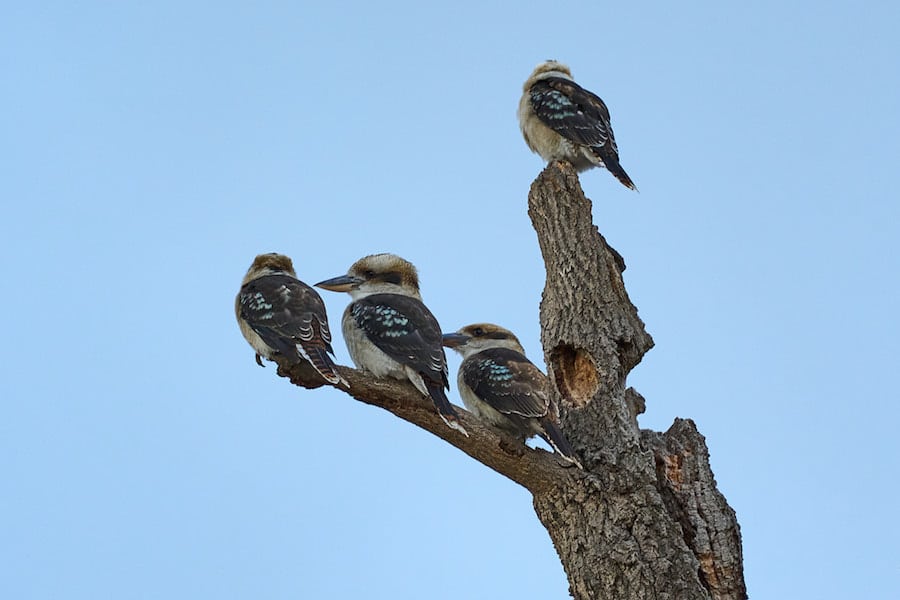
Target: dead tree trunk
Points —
{"points": [[650, 522], [644, 519]]}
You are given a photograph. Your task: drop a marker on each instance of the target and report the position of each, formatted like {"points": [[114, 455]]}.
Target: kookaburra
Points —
{"points": [[390, 332], [502, 387], [279, 314], [563, 121]]}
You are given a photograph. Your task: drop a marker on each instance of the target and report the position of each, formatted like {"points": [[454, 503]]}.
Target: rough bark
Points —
{"points": [[644, 518], [689, 491], [627, 538]]}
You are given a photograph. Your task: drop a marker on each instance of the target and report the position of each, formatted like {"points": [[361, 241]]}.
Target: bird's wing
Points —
{"points": [[507, 381], [281, 308], [572, 111], [403, 328]]}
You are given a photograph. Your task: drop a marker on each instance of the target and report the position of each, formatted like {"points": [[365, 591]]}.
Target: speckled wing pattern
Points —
{"points": [[581, 117], [403, 328], [508, 381], [285, 313], [573, 112]]}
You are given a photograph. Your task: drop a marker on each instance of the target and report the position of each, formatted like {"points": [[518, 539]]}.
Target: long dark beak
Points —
{"points": [[454, 340], [344, 283]]}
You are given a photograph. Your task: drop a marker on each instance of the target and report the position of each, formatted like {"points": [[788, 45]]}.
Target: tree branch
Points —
{"points": [[534, 469]]}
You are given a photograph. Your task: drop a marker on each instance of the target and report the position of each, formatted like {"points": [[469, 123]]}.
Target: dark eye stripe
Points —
{"points": [[392, 277]]}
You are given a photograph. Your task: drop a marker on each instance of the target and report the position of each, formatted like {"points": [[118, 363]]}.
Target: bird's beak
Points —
{"points": [[344, 283], [454, 340]]}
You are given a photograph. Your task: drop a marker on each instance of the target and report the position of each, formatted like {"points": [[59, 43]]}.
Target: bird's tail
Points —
{"points": [[555, 438], [319, 359], [612, 165], [443, 406]]}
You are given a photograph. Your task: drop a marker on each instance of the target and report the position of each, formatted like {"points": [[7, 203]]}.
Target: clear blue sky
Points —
{"points": [[150, 150]]}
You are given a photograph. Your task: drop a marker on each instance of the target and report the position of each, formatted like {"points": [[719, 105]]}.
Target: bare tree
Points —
{"points": [[644, 518]]}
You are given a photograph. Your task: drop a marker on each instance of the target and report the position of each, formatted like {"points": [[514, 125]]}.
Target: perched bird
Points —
{"points": [[501, 386], [279, 314], [563, 121], [390, 332]]}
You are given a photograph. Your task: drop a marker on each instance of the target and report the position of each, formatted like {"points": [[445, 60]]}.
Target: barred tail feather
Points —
{"points": [[616, 169], [321, 362], [555, 438], [443, 406], [611, 162]]}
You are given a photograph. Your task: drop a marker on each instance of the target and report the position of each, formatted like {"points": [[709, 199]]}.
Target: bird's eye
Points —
{"points": [[369, 274], [478, 332]]}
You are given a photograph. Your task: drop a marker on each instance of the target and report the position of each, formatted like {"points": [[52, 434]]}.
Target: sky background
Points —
{"points": [[150, 150]]}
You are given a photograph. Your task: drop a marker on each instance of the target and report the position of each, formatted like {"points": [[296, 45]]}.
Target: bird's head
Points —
{"points": [[548, 68], [481, 336], [376, 274], [270, 264]]}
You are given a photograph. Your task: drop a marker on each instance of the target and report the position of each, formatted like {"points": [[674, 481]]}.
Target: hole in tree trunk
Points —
{"points": [[576, 376]]}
